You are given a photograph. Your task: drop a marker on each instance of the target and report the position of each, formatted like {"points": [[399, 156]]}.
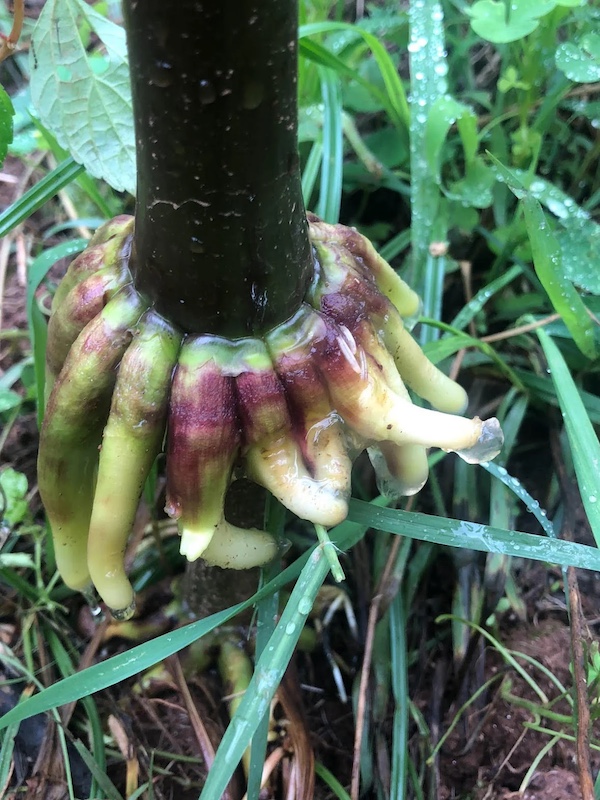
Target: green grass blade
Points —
{"points": [[396, 245], [458, 533], [142, 657], [331, 781], [311, 171], [437, 351], [119, 668], [547, 260], [39, 194], [317, 53], [65, 664], [585, 447], [267, 676], [85, 181], [330, 194], [99, 775], [394, 99], [267, 610], [543, 388], [508, 655], [397, 621], [7, 747], [27, 671], [427, 84], [521, 492], [475, 305]]}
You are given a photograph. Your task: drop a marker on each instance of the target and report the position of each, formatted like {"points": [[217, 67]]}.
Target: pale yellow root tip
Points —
{"points": [[117, 593], [240, 548], [378, 414], [194, 542]]}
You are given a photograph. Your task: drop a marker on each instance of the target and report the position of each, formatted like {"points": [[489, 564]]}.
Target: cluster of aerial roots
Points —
{"points": [[289, 409]]}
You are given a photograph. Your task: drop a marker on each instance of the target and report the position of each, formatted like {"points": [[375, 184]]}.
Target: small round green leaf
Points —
{"points": [[502, 22], [580, 62], [580, 244]]}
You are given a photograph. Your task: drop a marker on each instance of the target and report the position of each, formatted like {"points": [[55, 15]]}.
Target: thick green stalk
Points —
{"points": [[221, 242]]}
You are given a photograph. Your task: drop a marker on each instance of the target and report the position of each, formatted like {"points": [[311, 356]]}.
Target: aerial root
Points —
{"points": [[291, 409]]}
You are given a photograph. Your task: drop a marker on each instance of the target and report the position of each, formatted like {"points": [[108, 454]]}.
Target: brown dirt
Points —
{"points": [[491, 750]]}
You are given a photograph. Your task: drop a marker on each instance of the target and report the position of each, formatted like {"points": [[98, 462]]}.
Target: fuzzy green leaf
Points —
{"points": [[85, 99]]}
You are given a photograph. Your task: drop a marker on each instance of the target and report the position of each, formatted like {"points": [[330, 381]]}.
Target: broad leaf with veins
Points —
{"points": [[84, 98]]}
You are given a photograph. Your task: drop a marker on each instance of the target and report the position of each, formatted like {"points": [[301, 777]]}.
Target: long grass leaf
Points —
{"points": [[311, 171], [585, 447], [316, 52], [474, 306], [458, 533], [99, 775], [436, 351], [142, 657], [547, 260], [267, 610], [7, 747], [516, 487], [400, 755], [330, 193], [267, 676], [39, 194], [427, 85], [331, 781], [394, 99], [543, 388]]}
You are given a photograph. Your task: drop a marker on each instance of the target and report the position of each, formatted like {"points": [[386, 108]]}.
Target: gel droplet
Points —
{"points": [[487, 446]]}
